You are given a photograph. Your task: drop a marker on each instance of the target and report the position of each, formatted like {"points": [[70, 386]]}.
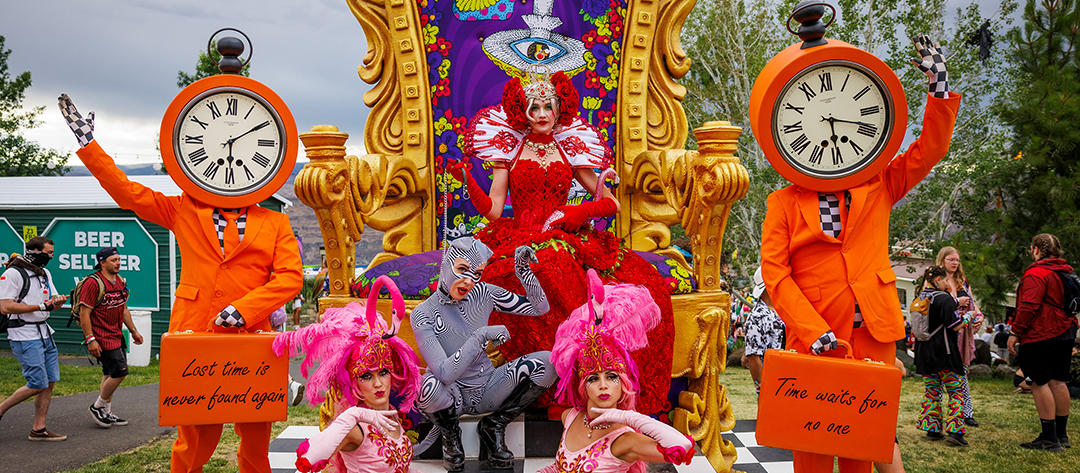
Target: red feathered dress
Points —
{"points": [[536, 192]]}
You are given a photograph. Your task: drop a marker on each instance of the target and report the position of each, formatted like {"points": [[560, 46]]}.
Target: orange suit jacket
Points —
{"points": [[815, 279], [261, 274]]}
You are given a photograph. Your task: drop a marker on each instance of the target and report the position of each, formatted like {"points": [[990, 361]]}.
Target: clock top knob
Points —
{"points": [[808, 13], [230, 48]]}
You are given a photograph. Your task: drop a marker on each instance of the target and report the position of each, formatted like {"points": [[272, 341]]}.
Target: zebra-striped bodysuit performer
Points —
{"points": [[452, 331]]}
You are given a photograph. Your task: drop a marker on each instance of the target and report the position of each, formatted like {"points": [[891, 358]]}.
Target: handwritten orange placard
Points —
{"points": [[833, 406], [221, 378]]}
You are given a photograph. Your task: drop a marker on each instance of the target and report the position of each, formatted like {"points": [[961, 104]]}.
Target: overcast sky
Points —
{"points": [[119, 58]]}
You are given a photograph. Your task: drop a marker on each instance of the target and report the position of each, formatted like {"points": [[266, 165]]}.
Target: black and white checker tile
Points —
{"points": [[752, 458]]}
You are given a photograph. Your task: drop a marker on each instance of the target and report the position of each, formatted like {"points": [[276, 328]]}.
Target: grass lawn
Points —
{"points": [[73, 379], [1006, 420]]}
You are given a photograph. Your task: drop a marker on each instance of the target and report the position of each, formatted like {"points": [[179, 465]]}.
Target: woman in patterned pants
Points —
{"points": [[938, 361]]}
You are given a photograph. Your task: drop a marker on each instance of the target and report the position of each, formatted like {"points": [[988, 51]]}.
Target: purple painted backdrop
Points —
{"points": [[464, 79]]}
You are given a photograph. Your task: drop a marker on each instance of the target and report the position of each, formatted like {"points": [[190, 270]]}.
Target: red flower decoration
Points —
{"points": [[592, 81], [513, 102], [443, 46], [459, 123], [590, 39], [568, 98], [442, 88], [604, 117]]}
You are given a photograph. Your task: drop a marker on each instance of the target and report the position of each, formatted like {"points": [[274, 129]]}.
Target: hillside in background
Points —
{"points": [[301, 216]]}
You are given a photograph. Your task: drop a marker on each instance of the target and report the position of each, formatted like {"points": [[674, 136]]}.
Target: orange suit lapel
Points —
{"points": [[256, 216], [807, 201], [205, 214]]}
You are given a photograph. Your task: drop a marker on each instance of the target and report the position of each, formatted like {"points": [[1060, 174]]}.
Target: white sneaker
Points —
{"points": [[296, 393]]}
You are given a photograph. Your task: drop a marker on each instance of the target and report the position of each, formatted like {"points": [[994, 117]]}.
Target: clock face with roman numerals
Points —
{"points": [[832, 119], [229, 141]]}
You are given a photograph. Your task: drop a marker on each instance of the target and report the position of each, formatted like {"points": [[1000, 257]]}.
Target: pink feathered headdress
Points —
{"points": [[351, 341], [600, 335]]}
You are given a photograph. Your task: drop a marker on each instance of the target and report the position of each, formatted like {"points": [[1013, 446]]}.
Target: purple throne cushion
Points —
{"points": [[417, 275]]}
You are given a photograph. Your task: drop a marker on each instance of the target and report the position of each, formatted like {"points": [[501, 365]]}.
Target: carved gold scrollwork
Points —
{"points": [[652, 211], [397, 195], [716, 179], [395, 176], [380, 68], [704, 411]]}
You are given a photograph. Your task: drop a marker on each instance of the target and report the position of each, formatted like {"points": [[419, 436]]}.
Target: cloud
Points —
{"points": [[120, 58]]}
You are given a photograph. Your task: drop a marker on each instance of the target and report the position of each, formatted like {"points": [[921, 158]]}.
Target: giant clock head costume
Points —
{"points": [[229, 142], [830, 118]]}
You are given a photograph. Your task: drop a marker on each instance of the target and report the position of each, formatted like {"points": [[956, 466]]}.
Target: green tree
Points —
{"points": [[1038, 190], [206, 67], [730, 42], [18, 155]]}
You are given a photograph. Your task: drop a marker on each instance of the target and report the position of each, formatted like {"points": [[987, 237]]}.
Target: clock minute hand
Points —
{"points": [[255, 128], [852, 122]]}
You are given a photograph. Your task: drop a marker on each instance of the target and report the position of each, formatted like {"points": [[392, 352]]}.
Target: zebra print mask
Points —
{"points": [[471, 250]]}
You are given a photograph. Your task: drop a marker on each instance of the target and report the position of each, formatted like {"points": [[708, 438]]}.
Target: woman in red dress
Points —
{"points": [[536, 144]]}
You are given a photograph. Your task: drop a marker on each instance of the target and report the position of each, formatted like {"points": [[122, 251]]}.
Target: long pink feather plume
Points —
{"points": [[336, 340], [629, 312]]}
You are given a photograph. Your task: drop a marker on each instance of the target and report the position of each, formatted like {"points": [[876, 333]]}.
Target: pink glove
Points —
{"points": [[313, 454], [674, 446]]}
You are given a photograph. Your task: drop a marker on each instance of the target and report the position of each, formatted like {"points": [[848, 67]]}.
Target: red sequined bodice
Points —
{"points": [[537, 191]]}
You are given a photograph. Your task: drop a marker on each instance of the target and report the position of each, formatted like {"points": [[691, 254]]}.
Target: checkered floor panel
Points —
{"points": [[752, 458]]}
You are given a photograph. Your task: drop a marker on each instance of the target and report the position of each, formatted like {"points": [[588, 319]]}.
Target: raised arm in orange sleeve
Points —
{"points": [[912, 166], [144, 201]]}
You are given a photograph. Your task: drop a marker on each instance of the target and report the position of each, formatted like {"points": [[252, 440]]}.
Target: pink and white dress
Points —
{"points": [[593, 458], [379, 453]]}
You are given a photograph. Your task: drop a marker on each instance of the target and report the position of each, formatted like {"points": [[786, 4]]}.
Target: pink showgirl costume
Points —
{"points": [[538, 191], [595, 338], [348, 343]]}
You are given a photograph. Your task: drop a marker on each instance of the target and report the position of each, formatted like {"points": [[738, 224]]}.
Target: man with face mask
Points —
{"points": [[452, 332], [30, 336]]}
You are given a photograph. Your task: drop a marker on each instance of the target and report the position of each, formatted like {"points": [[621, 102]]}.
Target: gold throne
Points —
{"points": [[393, 189]]}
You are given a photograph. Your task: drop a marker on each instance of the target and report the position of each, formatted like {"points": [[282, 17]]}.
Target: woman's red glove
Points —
{"points": [[479, 198], [576, 215]]}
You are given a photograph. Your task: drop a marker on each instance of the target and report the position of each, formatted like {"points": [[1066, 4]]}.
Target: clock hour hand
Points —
{"points": [[832, 128]]}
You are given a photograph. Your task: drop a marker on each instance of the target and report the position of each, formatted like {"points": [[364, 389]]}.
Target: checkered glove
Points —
{"points": [[824, 343], [82, 127], [932, 63], [230, 317]]}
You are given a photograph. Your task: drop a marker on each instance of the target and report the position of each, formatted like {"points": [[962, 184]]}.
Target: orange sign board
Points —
{"points": [[221, 378], [832, 406]]}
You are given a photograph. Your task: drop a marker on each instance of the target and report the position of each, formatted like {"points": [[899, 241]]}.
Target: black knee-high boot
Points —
{"points": [[492, 428], [452, 452]]}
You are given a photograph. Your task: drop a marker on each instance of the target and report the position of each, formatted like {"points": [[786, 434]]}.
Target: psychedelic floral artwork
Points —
{"points": [[467, 73]]}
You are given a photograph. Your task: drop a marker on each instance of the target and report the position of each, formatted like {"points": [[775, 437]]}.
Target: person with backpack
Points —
{"points": [[102, 306], [27, 295], [935, 324], [1046, 330], [949, 258]]}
